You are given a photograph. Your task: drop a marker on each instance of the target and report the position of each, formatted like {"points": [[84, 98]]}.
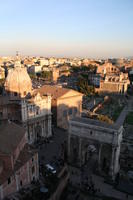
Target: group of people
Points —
{"points": [[89, 186]]}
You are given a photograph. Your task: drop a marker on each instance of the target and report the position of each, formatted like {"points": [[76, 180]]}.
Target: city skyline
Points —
{"points": [[58, 28]]}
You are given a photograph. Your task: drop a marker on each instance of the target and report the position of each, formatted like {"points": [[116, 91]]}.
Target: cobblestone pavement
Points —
{"points": [[50, 151], [77, 176]]}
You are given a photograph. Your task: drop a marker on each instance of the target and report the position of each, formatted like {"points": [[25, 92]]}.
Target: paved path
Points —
{"points": [[49, 150], [128, 108], [99, 183], [108, 190]]}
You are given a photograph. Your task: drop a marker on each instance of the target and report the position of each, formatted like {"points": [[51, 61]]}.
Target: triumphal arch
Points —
{"points": [[83, 132]]}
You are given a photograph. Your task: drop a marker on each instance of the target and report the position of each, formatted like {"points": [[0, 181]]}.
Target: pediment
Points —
{"points": [[71, 93]]}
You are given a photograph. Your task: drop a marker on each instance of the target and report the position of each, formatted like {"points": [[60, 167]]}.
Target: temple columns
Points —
{"points": [[49, 126], [80, 152], [111, 171], [43, 128], [116, 160], [99, 157], [69, 146], [17, 181]]}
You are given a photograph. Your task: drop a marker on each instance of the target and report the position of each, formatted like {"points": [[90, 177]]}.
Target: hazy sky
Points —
{"points": [[85, 28]]}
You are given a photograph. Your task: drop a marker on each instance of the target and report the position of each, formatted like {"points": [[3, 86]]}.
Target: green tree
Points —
{"points": [[84, 87], [46, 75]]}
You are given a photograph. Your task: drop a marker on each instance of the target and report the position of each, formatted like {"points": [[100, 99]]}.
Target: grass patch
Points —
{"points": [[111, 110], [129, 118], [117, 113]]}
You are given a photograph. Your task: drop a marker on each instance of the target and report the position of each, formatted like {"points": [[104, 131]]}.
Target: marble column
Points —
{"points": [[31, 132], [111, 171], [116, 160], [43, 131], [46, 127], [80, 152], [69, 147], [27, 134], [17, 182], [99, 157], [34, 135], [49, 126], [44, 124]]}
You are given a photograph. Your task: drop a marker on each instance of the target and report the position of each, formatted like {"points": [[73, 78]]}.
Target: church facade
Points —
{"points": [[23, 105]]}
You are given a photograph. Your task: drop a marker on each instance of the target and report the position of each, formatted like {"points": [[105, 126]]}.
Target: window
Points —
{"points": [[75, 110], [32, 159], [70, 111], [9, 180], [1, 114], [33, 170], [24, 92], [90, 132], [15, 94], [30, 109], [21, 183], [28, 136], [64, 113], [37, 110]]}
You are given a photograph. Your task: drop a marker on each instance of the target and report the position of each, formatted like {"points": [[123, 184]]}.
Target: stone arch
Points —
{"points": [[107, 138]]}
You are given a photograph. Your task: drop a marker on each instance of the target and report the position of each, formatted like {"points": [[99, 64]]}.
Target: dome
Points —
{"points": [[18, 82]]}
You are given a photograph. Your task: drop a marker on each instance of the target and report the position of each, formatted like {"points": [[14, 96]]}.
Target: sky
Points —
{"points": [[67, 28]]}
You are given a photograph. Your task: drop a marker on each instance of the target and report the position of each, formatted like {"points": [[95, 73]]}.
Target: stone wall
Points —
{"points": [[67, 108], [23, 176]]}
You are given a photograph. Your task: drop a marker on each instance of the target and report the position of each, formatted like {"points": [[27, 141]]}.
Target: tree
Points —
{"points": [[46, 75], [84, 87]]}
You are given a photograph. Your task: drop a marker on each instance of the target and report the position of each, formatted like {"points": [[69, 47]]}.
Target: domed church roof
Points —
{"points": [[18, 82]]}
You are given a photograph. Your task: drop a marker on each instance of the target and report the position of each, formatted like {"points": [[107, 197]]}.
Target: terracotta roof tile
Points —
{"points": [[10, 136], [55, 91]]}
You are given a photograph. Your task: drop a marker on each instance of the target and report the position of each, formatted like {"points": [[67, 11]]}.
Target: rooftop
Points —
{"points": [[55, 91], [89, 121], [10, 136]]}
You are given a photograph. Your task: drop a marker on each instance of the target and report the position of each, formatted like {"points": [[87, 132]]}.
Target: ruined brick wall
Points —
{"points": [[111, 87]]}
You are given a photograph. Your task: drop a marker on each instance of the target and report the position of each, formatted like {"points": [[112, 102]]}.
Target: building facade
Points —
{"points": [[2, 73], [114, 83], [66, 103], [23, 105], [107, 68], [18, 160]]}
